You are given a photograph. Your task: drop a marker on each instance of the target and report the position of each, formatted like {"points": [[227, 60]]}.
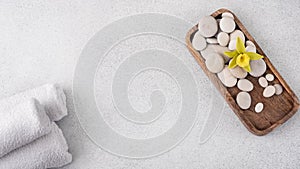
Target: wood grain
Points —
{"points": [[277, 109]]}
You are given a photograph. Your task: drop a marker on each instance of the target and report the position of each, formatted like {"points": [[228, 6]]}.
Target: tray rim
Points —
{"points": [[223, 90]]}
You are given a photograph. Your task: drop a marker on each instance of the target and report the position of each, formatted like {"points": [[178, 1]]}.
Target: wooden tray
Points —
{"points": [[277, 109]]}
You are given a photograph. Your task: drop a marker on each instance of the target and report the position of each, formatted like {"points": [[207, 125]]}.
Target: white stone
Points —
{"points": [[199, 42], [251, 49], [212, 40], [238, 72], [215, 63], [232, 45], [208, 26], [249, 43], [245, 85], [269, 91], [227, 14], [259, 107], [243, 99], [215, 49], [237, 33], [278, 89], [263, 82], [258, 67], [227, 78], [227, 24], [270, 77], [223, 38]]}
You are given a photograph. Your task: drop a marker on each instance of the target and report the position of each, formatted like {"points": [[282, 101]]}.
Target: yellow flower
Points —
{"points": [[242, 60], [240, 57]]}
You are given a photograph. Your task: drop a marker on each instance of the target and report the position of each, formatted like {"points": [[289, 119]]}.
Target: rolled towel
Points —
{"points": [[51, 96], [21, 125], [49, 151]]}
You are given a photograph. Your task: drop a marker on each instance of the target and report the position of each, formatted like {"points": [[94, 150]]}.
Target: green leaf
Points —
{"points": [[254, 56], [231, 54], [232, 63], [247, 68], [240, 47]]}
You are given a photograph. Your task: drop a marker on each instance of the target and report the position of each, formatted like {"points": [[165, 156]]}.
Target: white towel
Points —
{"points": [[21, 125], [49, 151], [51, 96]]}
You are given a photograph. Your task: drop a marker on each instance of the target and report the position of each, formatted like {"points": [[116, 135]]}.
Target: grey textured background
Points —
{"points": [[40, 42]]}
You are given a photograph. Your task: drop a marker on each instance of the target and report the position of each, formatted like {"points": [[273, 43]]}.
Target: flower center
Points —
{"points": [[243, 60]]}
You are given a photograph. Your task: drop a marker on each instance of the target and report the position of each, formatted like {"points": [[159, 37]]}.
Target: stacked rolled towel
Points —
{"points": [[48, 151], [29, 139], [51, 96], [21, 125]]}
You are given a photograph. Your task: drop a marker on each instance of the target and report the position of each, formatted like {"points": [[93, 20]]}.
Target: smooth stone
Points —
{"points": [[238, 72], [212, 40], [243, 99], [227, 78], [259, 107], [237, 33], [199, 42], [223, 38], [263, 82], [270, 77], [215, 49], [251, 49], [232, 45], [269, 91], [250, 43], [208, 26], [227, 14], [245, 85], [227, 24], [258, 67], [215, 63], [278, 89]]}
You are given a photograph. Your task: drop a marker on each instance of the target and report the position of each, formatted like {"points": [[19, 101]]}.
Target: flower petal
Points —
{"points": [[247, 68], [240, 47], [254, 56], [231, 54], [232, 63]]}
